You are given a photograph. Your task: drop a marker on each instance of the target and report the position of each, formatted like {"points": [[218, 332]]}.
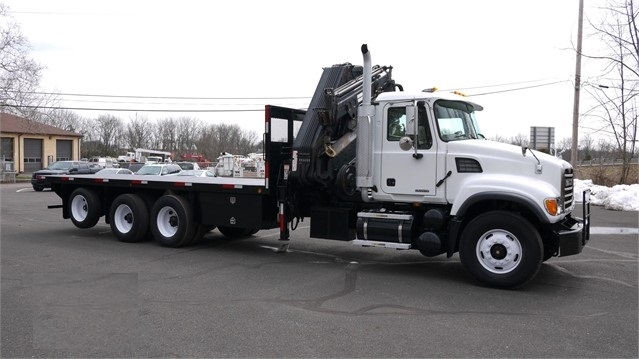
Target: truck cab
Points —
{"points": [[427, 148]]}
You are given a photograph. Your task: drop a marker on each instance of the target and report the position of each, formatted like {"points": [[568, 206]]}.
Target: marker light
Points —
{"points": [[552, 206]]}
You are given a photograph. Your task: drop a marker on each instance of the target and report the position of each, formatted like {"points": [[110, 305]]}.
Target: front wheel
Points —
{"points": [[501, 249], [172, 222], [85, 208]]}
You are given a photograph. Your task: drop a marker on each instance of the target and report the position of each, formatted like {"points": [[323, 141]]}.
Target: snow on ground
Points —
{"points": [[618, 198]]}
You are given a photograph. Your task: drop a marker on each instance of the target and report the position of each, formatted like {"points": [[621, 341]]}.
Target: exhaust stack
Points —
{"points": [[364, 178], [366, 95]]}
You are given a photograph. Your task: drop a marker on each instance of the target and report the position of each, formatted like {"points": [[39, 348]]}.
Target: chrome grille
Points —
{"points": [[568, 188]]}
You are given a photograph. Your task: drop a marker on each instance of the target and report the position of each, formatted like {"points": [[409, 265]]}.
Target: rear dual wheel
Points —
{"points": [[128, 218], [172, 223]]}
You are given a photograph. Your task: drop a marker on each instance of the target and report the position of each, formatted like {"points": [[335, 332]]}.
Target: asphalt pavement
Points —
{"points": [[69, 292]]}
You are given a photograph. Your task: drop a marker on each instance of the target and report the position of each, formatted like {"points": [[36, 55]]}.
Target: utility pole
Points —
{"points": [[575, 110]]}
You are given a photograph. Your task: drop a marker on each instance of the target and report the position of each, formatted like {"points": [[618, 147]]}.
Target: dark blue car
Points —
{"points": [[39, 180]]}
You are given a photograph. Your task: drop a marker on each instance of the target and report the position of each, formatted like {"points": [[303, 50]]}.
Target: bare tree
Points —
{"points": [[108, 130], [518, 140], [138, 133], [167, 140], [19, 74], [617, 103], [499, 138], [188, 130], [563, 147], [218, 138]]}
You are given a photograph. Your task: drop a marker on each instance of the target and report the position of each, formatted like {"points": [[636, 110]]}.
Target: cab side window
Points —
{"points": [[424, 136], [396, 126]]}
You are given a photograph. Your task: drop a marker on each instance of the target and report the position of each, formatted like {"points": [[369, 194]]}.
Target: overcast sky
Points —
{"points": [[264, 50]]}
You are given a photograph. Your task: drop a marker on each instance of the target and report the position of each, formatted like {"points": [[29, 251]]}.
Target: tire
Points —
{"points": [[172, 222], [38, 188], [234, 232], [84, 208], [129, 218], [501, 249]]}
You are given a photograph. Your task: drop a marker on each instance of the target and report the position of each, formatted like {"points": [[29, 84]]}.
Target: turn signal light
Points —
{"points": [[552, 206]]}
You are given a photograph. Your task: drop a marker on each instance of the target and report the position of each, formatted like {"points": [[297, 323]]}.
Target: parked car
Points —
{"points": [[159, 169], [39, 180], [189, 165], [195, 173], [114, 171]]}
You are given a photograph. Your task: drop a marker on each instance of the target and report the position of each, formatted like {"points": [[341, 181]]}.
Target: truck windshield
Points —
{"points": [[456, 120], [150, 170]]}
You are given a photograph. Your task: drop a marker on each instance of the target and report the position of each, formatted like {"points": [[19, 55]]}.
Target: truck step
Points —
{"points": [[367, 243]]}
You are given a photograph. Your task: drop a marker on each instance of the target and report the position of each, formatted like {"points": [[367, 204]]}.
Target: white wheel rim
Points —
{"points": [[79, 208], [123, 218], [499, 251], [168, 221]]}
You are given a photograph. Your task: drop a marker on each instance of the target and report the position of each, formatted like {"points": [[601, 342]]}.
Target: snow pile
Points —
{"points": [[618, 198]]}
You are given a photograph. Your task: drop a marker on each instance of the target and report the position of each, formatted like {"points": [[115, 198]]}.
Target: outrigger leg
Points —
{"points": [[282, 197], [284, 234]]}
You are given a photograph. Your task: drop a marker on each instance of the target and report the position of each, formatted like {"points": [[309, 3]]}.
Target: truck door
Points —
{"points": [[407, 172]]}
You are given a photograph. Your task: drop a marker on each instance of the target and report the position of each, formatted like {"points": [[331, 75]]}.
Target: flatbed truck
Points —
{"points": [[371, 164]]}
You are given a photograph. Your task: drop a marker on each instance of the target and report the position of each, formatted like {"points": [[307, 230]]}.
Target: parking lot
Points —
{"points": [[68, 292]]}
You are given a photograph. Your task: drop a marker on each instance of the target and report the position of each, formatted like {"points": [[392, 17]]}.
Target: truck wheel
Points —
{"points": [[129, 218], [85, 208], [172, 222], [233, 232], [501, 249]]}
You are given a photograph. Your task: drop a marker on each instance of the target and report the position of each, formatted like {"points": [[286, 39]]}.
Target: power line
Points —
{"points": [[519, 88], [164, 103], [219, 98], [165, 97], [268, 98], [130, 110], [496, 85]]}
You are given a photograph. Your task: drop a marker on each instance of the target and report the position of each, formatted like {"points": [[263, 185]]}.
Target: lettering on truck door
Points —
{"points": [[401, 172]]}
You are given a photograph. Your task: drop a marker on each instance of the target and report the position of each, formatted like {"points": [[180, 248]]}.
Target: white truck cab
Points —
{"points": [[434, 183], [450, 162]]}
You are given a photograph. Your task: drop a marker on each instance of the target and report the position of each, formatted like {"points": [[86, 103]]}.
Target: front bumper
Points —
{"points": [[41, 181], [572, 234]]}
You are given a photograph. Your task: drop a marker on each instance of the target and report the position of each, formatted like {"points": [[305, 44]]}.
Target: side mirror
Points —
{"points": [[411, 119], [405, 143]]}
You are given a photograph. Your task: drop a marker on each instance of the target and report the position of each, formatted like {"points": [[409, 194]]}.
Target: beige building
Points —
{"points": [[29, 146]]}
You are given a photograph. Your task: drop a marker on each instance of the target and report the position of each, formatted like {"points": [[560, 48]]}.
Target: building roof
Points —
{"points": [[14, 124]]}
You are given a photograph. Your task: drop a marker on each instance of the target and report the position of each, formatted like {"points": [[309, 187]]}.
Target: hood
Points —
{"points": [[497, 157], [50, 172]]}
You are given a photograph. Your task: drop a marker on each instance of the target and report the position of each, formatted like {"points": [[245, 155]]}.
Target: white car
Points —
{"points": [[114, 171], [159, 169], [195, 173]]}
